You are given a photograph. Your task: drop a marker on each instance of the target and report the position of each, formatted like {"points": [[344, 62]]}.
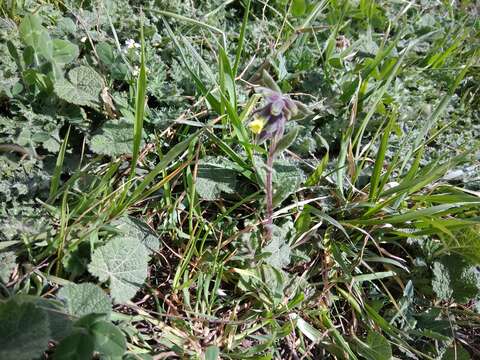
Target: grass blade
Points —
{"points": [[58, 168]]}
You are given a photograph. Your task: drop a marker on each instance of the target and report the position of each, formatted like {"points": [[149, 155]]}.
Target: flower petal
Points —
{"points": [[257, 125], [276, 107]]}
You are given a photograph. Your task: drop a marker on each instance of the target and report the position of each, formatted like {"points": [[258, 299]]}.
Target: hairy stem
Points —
{"points": [[269, 189]]}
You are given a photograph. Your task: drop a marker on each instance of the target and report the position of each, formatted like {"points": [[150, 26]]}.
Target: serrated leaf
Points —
{"points": [[77, 346], [136, 228], [278, 248], [24, 331], [83, 89], [214, 177], [109, 340], [7, 265], [122, 261], [83, 299], [115, 138]]}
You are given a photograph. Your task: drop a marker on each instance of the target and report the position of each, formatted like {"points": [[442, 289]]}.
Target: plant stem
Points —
{"points": [[269, 189]]}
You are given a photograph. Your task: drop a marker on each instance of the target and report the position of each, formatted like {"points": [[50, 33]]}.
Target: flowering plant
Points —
{"points": [[269, 123]]}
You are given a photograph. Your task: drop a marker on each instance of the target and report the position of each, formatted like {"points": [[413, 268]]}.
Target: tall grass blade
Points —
{"points": [[58, 168]]}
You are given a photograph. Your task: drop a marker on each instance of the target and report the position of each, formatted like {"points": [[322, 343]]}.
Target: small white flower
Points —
{"points": [[221, 292], [135, 70], [83, 39], [131, 44]]}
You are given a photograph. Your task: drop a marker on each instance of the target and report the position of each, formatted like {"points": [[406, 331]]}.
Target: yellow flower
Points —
{"points": [[257, 125]]}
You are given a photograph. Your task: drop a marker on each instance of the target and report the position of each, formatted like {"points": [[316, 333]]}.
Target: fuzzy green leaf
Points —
{"points": [[64, 51], [454, 278], [114, 139], [298, 7], [83, 88], [278, 248], [287, 178], [24, 331], [214, 177], [109, 340], [77, 346], [7, 265], [59, 322], [376, 347], [83, 299], [122, 261], [35, 35], [135, 228]]}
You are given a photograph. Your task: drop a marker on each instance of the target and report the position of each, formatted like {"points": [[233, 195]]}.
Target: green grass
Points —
{"points": [[134, 195]]}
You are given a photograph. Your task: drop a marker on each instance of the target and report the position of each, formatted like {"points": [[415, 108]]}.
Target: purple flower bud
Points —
{"points": [[278, 109]]}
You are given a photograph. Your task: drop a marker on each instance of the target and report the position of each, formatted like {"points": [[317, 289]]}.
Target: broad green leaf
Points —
{"points": [[24, 331], [64, 51], [214, 177], [287, 177], [298, 7], [83, 299], [77, 346], [375, 347], [88, 320], [35, 35], [59, 321], [454, 278], [83, 88], [115, 138], [108, 339], [113, 61], [105, 53], [122, 261], [135, 228], [278, 248], [212, 353], [456, 353], [7, 265]]}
